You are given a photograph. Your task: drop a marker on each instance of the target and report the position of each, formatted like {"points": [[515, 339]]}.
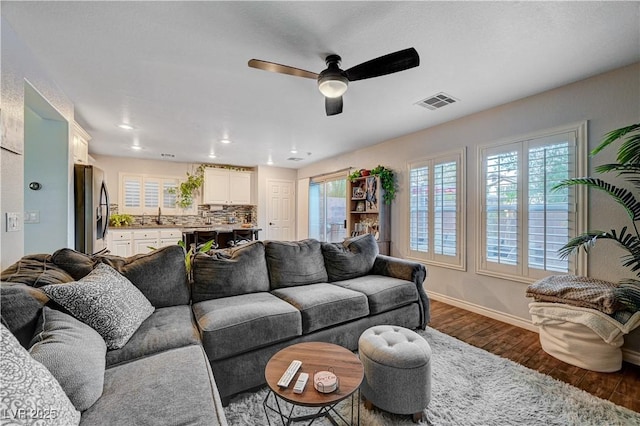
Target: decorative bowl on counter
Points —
{"points": [[246, 225]]}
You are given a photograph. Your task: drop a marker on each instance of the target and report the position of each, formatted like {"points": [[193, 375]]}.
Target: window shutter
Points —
{"points": [[445, 205], [151, 194], [419, 213], [501, 201], [132, 187], [168, 199]]}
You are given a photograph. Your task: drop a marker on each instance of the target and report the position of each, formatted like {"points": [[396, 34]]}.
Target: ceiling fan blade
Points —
{"points": [[387, 64], [282, 69], [333, 106]]}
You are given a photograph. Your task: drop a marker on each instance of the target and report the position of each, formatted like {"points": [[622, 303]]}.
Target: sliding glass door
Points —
{"points": [[328, 209]]}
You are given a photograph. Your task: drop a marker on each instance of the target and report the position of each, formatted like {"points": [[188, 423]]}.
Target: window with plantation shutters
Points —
{"points": [[436, 219], [145, 194], [524, 222]]}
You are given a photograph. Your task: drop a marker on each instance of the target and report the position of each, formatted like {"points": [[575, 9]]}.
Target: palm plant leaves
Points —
{"points": [[621, 195], [629, 151]]}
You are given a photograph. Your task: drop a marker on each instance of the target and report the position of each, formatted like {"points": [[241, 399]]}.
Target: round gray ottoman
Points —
{"points": [[397, 370]]}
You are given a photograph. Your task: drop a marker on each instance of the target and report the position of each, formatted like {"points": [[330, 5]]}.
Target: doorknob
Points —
{"points": [[271, 223]]}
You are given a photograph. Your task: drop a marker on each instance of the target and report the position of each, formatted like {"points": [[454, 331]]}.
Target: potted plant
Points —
{"points": [[388, 182], [185, 191], [627, 167]]}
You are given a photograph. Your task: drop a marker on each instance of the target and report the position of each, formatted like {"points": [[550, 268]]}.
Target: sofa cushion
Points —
{"points": [[243, 271], [74, 353], [27, 385], [20, 308], [237, 324], [383, 293], [106, 301], [293, 263], [172, 387], [324, 305], [35, 270], [352, 258], [166, 328], [160, 274]]}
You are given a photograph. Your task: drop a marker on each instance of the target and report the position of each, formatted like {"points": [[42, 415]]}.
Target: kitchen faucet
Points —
{"points": [[159, 219]]}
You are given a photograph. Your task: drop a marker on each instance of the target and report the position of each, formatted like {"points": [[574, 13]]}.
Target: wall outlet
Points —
{"points": [[32, 216], [13, 222]]}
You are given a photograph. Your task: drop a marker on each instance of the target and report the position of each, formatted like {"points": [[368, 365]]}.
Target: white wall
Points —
{"points": [[608, 101], [18, 64]]}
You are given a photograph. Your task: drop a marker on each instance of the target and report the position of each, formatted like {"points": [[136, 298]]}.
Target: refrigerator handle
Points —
{"points": [[104, 196]]}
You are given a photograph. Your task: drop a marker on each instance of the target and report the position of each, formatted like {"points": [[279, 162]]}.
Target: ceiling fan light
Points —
{"points": [[333, 86]]}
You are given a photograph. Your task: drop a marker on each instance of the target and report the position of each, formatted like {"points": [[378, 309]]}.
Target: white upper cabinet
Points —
{"points": [[80, 145], [226, 187]]}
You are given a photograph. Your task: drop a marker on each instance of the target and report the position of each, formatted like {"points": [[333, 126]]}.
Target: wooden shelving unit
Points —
{"points": [[368, 213]]}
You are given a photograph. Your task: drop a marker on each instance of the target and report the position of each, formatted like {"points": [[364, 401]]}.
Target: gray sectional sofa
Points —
{"points": [[240, 308]]}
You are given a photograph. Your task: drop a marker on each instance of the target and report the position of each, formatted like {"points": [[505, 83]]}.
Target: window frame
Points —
{"points": [[521, 272], [142, 209], [457, 262]]}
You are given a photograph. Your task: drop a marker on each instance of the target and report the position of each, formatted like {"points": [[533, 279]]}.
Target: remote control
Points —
{"points": [[301, 383], [288, 375]]}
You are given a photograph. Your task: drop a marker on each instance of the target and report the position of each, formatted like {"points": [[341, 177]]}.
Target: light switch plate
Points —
{"points": [[13, 222], [32, 216]]}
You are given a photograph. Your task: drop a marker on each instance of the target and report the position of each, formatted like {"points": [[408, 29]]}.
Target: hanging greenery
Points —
{"points": [[185, 191], [388, 181]]}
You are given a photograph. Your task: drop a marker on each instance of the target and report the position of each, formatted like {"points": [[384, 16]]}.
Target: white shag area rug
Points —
{"points": [[472, 387]]}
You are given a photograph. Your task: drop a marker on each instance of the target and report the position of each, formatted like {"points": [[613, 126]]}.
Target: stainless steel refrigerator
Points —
{"points": [[91, 200]]}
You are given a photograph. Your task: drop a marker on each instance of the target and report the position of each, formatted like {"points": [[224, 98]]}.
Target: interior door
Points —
{"points": [[281, 210]]}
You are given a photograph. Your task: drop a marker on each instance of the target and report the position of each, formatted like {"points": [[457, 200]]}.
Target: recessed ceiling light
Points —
{"points": [[225, 141], [136, 147], [293, 151], [270, 163], [125, 126], [212, 155]]}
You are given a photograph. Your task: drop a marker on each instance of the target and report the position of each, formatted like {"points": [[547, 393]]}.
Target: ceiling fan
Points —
{"points": [[333, 82]]}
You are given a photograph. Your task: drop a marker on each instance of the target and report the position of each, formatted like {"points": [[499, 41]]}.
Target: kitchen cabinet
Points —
{"points": [[145, 241], [169, 237], [223, 186], [80, 145], [129, 242], [119, 243]]}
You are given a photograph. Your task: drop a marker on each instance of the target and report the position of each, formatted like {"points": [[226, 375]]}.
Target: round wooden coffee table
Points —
{"points": [[315, 356]]}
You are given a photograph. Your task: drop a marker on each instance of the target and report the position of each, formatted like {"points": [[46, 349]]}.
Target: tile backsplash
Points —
{"points": [[205, 216]]}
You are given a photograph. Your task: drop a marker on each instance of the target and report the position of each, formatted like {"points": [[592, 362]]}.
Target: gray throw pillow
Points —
{"points": [[21, 306], [351, 259], [293, 263], [74, 353], [29, 394], [106, 301], [160, 274], [243, 271]]}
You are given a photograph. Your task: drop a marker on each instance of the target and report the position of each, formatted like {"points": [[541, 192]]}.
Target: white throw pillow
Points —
{"points": [[29, 394], [106, 301]]}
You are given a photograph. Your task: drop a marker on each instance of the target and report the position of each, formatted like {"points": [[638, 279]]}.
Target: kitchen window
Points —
{"points": [[523, 223], [436, 216], [145, 194]]}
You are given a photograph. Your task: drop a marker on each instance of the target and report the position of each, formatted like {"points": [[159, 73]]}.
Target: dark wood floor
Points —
{"points": [[523, 347]]}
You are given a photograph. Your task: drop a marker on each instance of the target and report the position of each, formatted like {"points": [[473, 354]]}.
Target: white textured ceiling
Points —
{"points": [[178, 72]]}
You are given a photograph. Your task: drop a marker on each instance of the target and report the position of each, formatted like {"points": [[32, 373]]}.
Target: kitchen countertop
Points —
{"points": [[189, 228]]}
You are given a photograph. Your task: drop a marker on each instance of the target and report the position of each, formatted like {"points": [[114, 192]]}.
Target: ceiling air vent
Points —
{"points": [[164, 155], [295, 159], [437, 101]]}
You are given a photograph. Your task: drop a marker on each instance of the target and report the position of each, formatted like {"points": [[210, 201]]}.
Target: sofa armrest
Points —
{"points": [[406, 270]]}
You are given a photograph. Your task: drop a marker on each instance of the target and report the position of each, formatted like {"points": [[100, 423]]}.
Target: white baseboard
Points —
{"points": [[487, 312], [628, 355]]}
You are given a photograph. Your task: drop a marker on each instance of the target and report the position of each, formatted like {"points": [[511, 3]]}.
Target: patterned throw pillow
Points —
{"points": [[29, 394], [106, 301]]}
